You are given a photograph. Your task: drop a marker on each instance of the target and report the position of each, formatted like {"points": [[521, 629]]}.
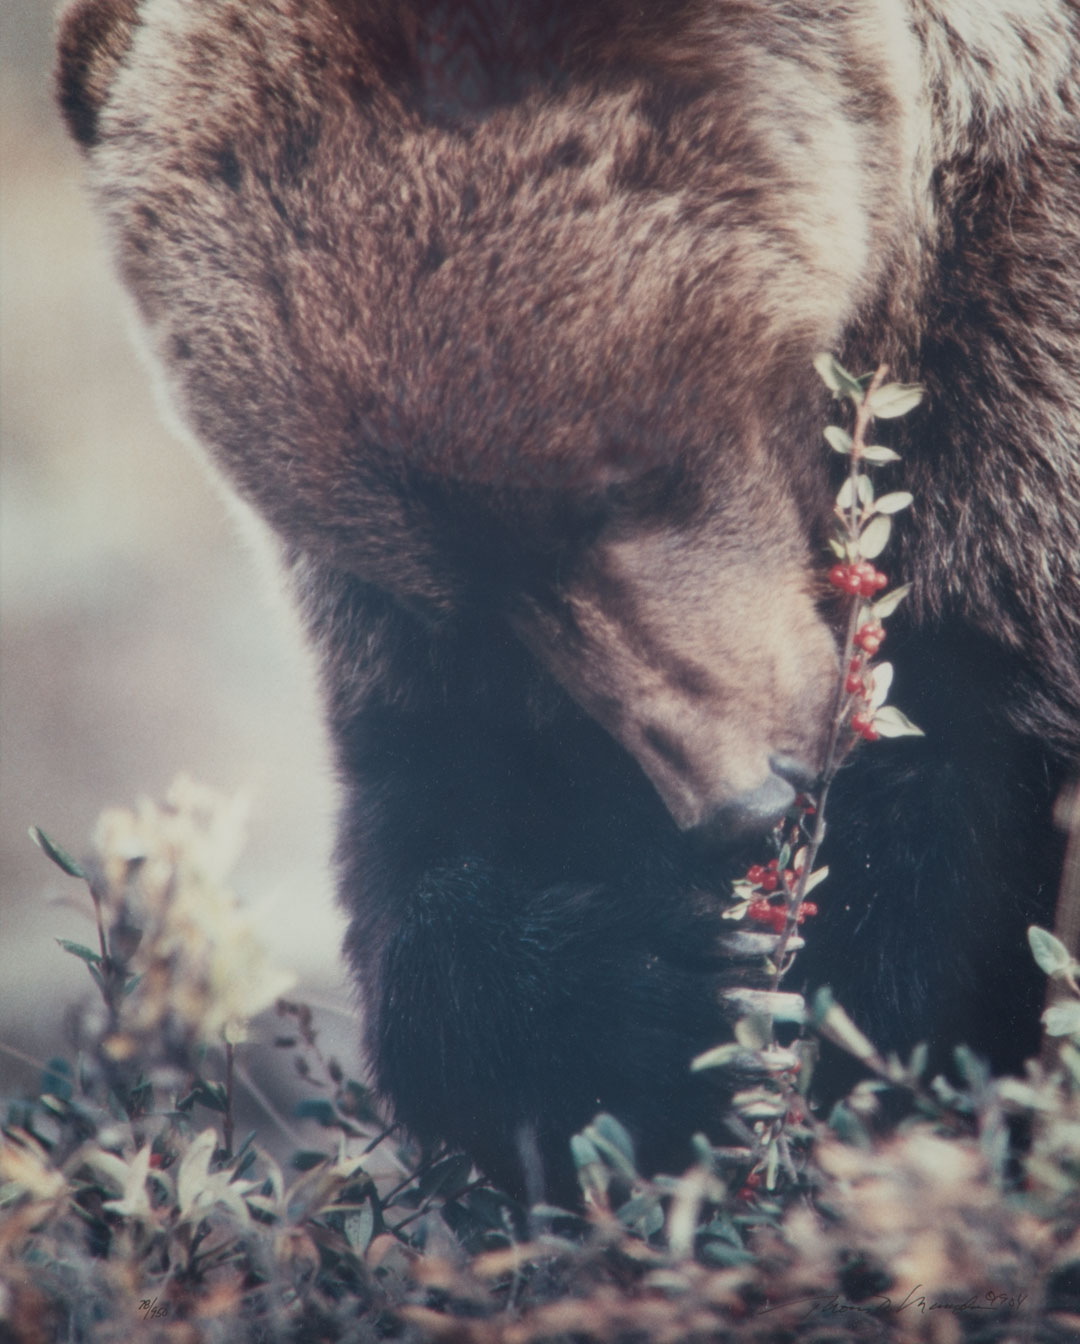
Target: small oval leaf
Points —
{"points": [[885, 606], [839, 440], [882, 675], [892, 722], [719, 1057], [59, 856], [875, 536], [83, 953], [815, 879], [1063, 1019], [894, 399], [878, 455], [836, 378], [1051, 954], [894, 502]]}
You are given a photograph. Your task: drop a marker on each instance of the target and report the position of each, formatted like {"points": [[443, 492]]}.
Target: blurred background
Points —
{"points": [[138, 634]]}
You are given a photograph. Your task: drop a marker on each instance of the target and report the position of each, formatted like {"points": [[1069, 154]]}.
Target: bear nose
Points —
{"points": [[796, 772], [751, 814]]}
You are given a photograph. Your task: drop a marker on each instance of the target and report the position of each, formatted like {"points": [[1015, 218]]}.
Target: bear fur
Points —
{"points": [[502, 316]]}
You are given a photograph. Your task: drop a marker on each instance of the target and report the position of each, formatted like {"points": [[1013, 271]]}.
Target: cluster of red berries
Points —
{"points": [[762, 911], [860, 580], [767, 879], [869, 637], [748, 1190], [862, 722]]}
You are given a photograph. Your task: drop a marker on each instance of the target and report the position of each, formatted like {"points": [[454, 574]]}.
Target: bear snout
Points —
{"points": [[758, 809], [721, 783]]}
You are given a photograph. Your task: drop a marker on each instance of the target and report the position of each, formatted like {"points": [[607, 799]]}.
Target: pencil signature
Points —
{"points": [[834, 1304]]}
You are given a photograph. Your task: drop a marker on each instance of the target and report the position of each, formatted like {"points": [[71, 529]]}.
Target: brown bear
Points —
{"points": [[502, 314]]}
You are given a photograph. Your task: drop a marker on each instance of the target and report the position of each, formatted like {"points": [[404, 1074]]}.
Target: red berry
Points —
{"points": [[854, 684], [807, 910], [838, 575], [868, 637], [746, 1192], [863, 724], [755, 874], [760, 910], [864, 574], [772, 865], [769, 882], [870, 579]]}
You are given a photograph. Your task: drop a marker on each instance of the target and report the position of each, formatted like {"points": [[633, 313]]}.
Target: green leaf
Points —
{"points": [[861, 488], [318, 1109], [305, 1159], [892, 722], [1051, 954], [753, 1031], [721, 1255], [815, 879], [834, 1024], [606, 1130], [973, 1070], [719, 1057], [583, 1151], [1063, 1019], [894, 399], [877, 455], [838, 548], [210, 1095], [886, 605], [875, 536], [359, 1228], [894, 502], [839, 440], [920, 1057], [59, 856], [86, 954], [837, 379], [592, 1173], [882, 676], [446, 1176], [56, 1080], [759, 1103]]}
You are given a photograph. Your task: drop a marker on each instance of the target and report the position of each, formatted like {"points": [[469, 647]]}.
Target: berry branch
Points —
{"points": [[775, 894]]}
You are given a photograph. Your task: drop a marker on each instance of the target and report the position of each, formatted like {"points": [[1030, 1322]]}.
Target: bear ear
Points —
{"points": [[93, 39]]}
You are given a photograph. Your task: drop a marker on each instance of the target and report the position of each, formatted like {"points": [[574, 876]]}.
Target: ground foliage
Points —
{"points": [[131, 1210]]}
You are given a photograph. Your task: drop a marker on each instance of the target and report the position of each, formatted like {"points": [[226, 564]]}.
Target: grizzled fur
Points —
{"points": [[502, 315]]}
